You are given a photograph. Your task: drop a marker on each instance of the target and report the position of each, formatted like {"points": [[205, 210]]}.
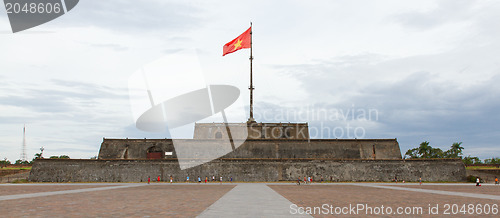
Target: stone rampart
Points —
{"points": [[258, 148], [249, 169]]}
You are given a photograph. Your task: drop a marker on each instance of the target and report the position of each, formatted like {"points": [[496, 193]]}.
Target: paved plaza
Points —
{"points": [[248, 200]]}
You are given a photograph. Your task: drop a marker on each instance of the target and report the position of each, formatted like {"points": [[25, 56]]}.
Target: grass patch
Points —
{"points": [[482, 168], [20, 181], [15, 168]]}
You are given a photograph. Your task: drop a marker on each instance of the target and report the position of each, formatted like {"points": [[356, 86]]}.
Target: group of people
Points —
{"points": [[230, 179], [478, 181], [308, 180], [159, 179], [213, 179]]}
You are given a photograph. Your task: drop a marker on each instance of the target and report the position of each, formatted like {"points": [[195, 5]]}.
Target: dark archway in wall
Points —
{"points": [[154, 153], [218, 135]]}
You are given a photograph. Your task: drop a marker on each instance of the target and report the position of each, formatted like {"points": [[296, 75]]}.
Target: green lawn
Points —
{"points": [[481, 168], [15, 168]]}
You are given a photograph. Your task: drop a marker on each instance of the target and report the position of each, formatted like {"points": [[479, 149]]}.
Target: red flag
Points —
{"points": [[241, 42]]}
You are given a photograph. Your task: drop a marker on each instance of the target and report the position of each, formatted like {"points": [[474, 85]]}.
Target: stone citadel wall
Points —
{"points": [[257, 148], [75, 170]]}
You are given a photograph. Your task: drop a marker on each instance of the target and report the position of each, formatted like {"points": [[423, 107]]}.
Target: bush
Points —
{"points": [[471, 179]]}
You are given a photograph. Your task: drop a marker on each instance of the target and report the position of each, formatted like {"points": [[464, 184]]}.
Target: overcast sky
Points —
{"points": [[412, 70]]}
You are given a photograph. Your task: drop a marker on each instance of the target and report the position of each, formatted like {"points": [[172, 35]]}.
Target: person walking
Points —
{"points": [[187, 179], [496, 180], [206, 178], [199, 180], [158, 178], [149, 179], [477, 181], [213, 178], [231, 179], [420, 180], [221, 180], [171, 179]]}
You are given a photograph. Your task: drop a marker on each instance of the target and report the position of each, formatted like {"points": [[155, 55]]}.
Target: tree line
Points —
{"points": [[455, 151], [37, 155]]}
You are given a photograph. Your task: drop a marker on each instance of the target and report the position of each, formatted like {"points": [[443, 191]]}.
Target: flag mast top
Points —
{"points": [[251, 119]]}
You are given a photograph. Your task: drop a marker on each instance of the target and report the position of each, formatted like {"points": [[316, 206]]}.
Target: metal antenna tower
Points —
{"points": [[23, 152]]}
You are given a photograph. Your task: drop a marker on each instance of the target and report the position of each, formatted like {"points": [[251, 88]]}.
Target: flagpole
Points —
{"points": [[251, 119]]}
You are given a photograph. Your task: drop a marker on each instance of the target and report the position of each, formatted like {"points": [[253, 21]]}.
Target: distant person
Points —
{"points": [[298, 181], [496, 180], [305, 180], [477, 181], [171, 179], [199, 180], [213, 178], [158, 178], [308, 179], [221, 180], [231, 179], [149, 179], [206, 179], [420, 180], [321, 179], [187, 179]]}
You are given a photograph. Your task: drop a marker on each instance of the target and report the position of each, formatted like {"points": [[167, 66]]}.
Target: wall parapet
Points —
{"points": [[84, 170]]}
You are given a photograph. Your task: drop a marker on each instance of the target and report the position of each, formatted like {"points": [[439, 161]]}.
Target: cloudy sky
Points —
{"points": [[412, 70]]}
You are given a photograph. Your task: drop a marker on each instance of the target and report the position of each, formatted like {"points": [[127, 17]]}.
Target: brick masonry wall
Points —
{"points": [[76, 170], [261, 148]]}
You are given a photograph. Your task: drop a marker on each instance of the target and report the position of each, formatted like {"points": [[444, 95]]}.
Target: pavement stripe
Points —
{"points": [[250, 200], [42, 194], [461, 194]]}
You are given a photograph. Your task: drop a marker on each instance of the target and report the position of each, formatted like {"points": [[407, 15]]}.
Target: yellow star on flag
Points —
{"points": [[237, 44]]}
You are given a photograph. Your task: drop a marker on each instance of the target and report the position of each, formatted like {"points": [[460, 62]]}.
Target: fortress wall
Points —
{"points": [[253, 130], [74, 170], [131, 148], [259, 148]]}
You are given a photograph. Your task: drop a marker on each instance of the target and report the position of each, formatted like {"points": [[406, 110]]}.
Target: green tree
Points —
{"points": [[455, 151], [424, 150], [471, 160], [4, 162], [60, 157], [494, 160], [37, 156], [435, 153], [412, 153], [21, 162]]}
